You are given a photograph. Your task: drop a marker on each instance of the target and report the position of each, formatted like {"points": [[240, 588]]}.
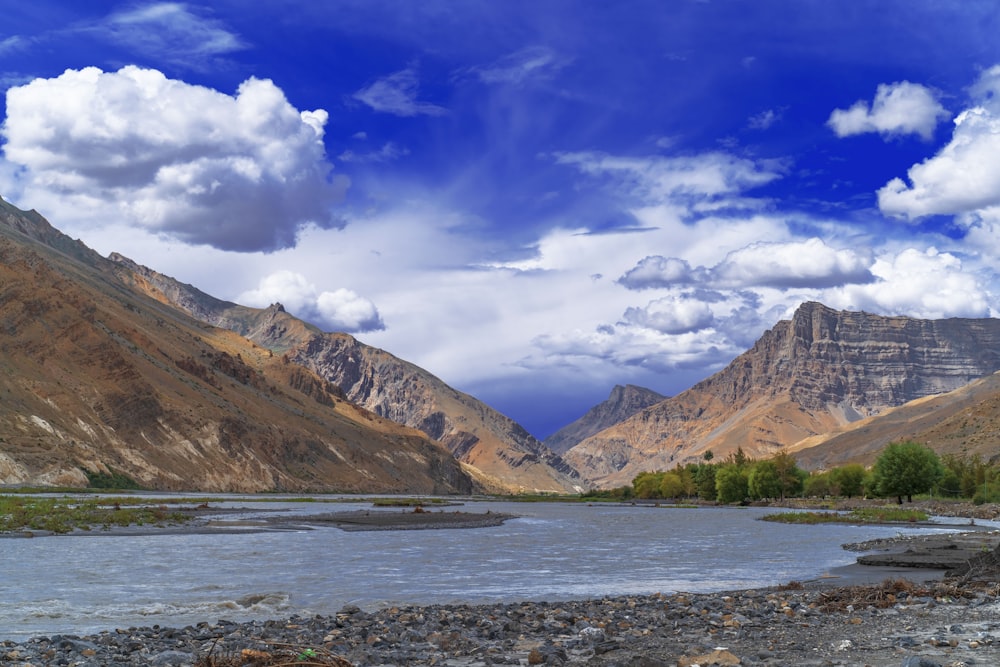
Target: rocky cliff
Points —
{"points": [[621, 404], [808, 375], [95, 376], [493, 444]]}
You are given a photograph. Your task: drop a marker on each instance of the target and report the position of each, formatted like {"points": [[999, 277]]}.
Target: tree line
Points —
{"points": [[902, 470]]}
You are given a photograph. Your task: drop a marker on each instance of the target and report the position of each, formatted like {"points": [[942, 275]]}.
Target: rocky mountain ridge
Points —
{"points": [[97, 377], [508, 456], [622, 403], [808, 375]]}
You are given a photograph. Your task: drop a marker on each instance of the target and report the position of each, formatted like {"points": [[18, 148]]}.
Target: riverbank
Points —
{"points": [[889, 625]]}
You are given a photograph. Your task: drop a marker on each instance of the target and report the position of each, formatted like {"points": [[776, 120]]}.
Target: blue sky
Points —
{"points": [[533, 200]]}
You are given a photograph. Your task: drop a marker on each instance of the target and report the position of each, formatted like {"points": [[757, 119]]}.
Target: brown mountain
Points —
{"points": [[965, 421], [96, 376], [808, 375], [509, 457], [621, 404]]}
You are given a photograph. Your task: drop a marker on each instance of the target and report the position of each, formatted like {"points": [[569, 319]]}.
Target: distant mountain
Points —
{"points": [[507, 455], [808, 375], [621, 404], [965, 421], [96, 376]]}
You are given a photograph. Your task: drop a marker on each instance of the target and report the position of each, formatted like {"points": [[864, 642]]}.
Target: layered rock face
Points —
{"points": [[621, 404], [808, 375], [507, 456], [96, 376]]}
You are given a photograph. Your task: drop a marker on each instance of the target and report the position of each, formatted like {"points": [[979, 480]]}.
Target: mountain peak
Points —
{"points": [[623, 402]]}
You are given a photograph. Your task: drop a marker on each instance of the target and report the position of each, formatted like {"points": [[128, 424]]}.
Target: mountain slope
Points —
{"points": [[97, 376], [388, 386], [808, 375], [963, 421], [621, 404]]}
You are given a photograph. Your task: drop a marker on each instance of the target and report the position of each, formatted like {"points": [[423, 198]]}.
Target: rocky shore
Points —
{"points": [[895, 624]]}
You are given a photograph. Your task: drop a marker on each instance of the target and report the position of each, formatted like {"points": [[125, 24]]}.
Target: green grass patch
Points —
{"points": [[861, 515], [110, 480], [65, 514]]}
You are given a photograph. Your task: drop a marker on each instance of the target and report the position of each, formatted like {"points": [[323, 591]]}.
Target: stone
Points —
{"points": [[719, 656]]}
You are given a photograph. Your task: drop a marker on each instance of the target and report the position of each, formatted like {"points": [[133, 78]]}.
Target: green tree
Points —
{"points": [[731, 484], [704, 478], [850, 479], [906, 468], [647, 484], [790, 477], [671, 485], [763, 481], [821, 484]]}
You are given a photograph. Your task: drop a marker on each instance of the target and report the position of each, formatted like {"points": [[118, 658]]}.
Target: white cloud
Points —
{"points": [[782, 265], [898, 108], [671, 315], [926, 284], [389, 152], [241, 172], [525, 65], [397, 94], [764, 119], [13, 43], [339, 310], [657, 271], [809, 263], [702, 176], [965, 175], [630, 349], [170, 31]]}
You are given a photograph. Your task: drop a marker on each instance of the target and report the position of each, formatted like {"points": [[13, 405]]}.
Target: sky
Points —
{"points": [[535, 200]]}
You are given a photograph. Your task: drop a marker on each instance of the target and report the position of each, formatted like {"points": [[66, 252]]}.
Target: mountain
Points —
{"points": [[965, 421], [507, 455], [621, 404], [97, 377], [808, 375]]}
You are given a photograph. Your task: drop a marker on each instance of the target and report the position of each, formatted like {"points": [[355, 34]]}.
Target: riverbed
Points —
{"points": [[551, 551]]}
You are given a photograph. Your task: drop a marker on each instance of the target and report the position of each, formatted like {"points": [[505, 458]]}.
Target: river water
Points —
{"points": [[84, 584]]}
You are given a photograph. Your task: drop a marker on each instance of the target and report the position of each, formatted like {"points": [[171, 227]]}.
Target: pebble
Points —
{"points": [[757, 628]]}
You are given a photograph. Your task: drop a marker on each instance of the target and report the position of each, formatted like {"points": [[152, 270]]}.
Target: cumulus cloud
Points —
{"points": [[927, 284], [657, 271], [339, 310], [898, 108], [632, 347], [810, 263], [170, 31], [671, 315], [397, 94], [241, 172], [965, 175], [794, 264]]}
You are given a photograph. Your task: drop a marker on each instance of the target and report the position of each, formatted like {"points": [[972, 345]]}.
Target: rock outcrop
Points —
{"points": [[509, 458], [806, 376], [97, 377], [621, 404]]}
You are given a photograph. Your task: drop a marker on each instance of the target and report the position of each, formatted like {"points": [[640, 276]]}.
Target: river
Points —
{"points": [[84, 584]]}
